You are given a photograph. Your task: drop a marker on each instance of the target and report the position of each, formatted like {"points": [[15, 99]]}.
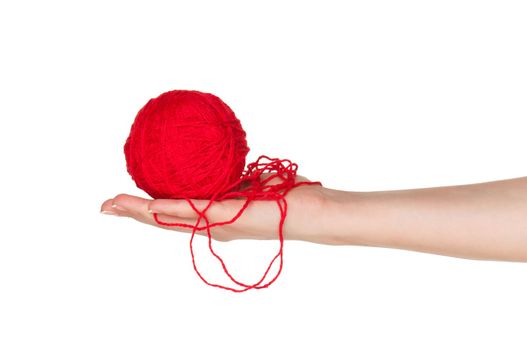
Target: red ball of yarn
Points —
{"points": [[186, 144]]}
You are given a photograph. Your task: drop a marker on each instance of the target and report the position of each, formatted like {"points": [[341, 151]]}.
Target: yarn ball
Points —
{"points": [[186, 144]]}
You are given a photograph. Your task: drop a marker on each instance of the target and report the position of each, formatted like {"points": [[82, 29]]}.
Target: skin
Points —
{"points": [[476, 221]]}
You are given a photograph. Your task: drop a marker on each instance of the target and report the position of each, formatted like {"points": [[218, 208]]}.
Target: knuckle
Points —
{"points": [[120, 197]]}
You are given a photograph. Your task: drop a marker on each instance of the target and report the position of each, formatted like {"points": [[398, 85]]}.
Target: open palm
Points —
{"points": [[307, 214]]}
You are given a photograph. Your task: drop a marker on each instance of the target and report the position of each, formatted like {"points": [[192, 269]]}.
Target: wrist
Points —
{"points": [[342, 217]]}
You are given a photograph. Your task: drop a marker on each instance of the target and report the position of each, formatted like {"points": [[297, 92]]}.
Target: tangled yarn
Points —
{"points": [[189, 144]]}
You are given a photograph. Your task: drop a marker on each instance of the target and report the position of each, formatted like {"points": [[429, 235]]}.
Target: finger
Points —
{"points": [[218, 211], [106, 207], [178, 207], [137, 208], [126, 204], [173, 222]]}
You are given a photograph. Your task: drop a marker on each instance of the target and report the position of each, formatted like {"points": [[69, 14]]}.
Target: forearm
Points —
{"points": [[479, 221]]}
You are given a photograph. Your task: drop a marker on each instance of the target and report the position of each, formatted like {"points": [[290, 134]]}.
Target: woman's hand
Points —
{"points": [[478, 221], [308, 214]]}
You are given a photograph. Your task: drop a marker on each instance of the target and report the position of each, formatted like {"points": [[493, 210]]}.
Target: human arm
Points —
{"points": [[478, 221]]}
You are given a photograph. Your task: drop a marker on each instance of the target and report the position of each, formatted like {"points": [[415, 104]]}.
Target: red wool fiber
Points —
{"points": [[188, 144]]}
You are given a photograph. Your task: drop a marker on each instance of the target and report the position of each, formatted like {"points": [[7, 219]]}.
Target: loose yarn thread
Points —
{"points": [[257, 189], [189, 144]]}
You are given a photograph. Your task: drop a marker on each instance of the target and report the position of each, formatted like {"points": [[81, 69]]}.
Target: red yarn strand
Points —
{"points": [[257, 190]]}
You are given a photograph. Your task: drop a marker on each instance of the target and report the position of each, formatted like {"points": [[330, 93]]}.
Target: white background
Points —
{"points": [[363, 95]]}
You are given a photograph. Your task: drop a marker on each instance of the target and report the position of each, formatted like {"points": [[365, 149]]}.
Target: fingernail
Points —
{"points": [[115, 206], [107, 212]]}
